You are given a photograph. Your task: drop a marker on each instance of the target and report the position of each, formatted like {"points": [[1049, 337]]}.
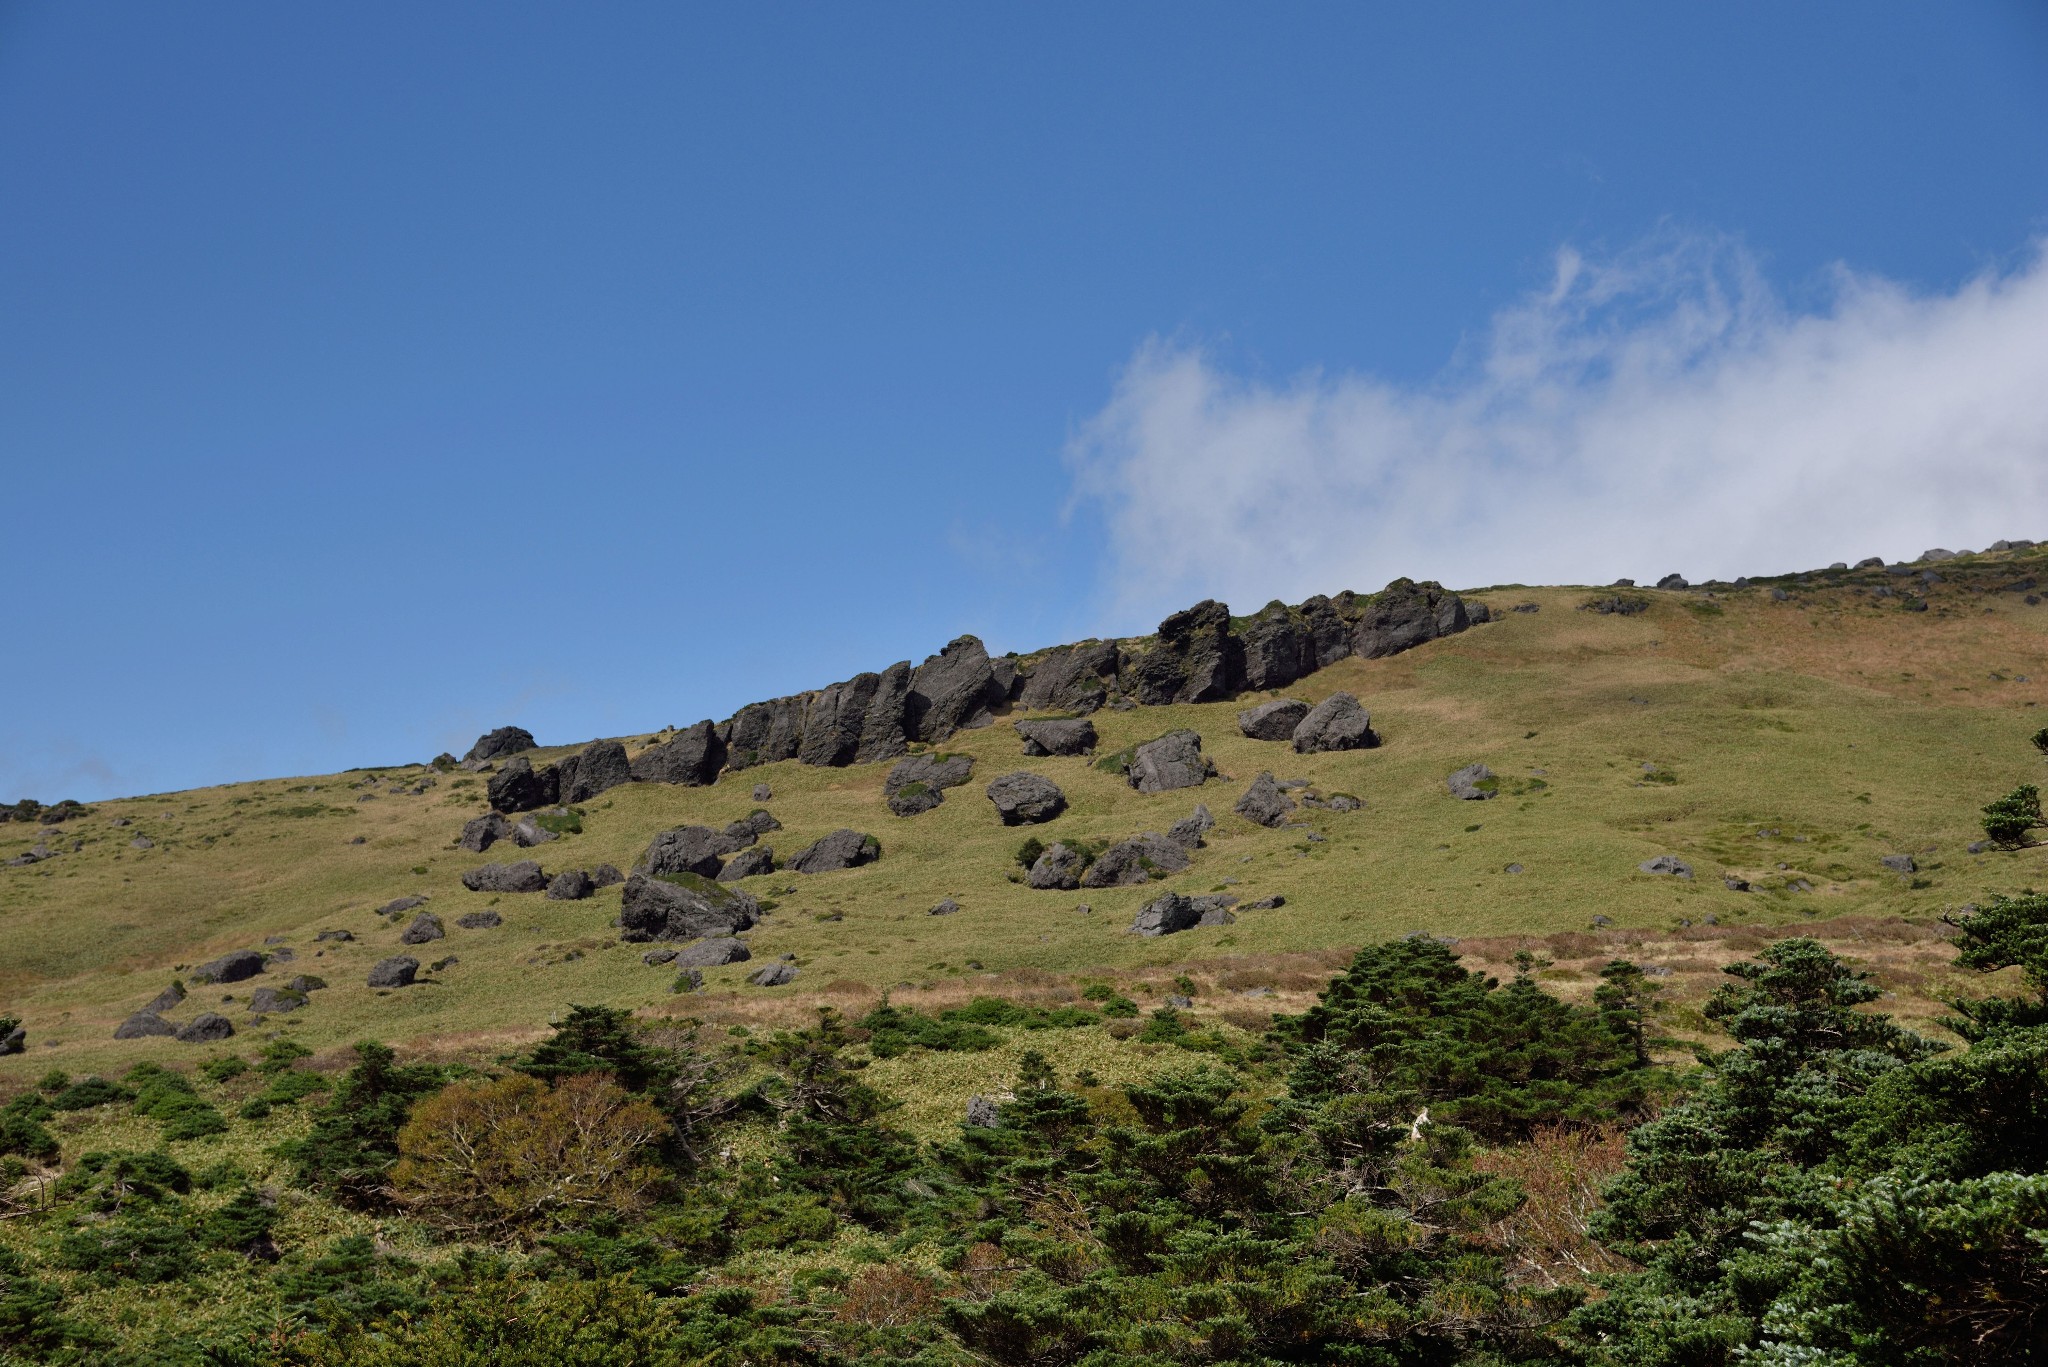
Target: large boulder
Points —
{"points": [[570, 885], [1193, 658], [1404, 615], [1277, 648], [519, 787], [266, 1001], [232, 967], [599, 767], [1171, 912], [737, 836], [686, 849], [1056, 735], [1264, 803], [425, 927], [1071, 679], [1058, 868], [764, 732], [209, 1028], [397, 971], [692, 757], [1174, 760], [682, 906], [843, 849], [483, 832], [1338, 722], [715, 952], [524, 876], [1025, 799], [774, 975], [952, 691], [1189, 830], [918, 783], [1273, 720], [748, 863], [144, 1024], [1473, 783], [506, 740], [1130, 863]]}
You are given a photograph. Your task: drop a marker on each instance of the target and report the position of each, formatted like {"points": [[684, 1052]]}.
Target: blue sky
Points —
{"points": [[374, 374]]}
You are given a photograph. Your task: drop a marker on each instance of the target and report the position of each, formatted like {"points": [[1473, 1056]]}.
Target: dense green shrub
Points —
{"points": [[2008, 820], [172, 1101], [88, 1092], [22, 1131], [354, 1139]]}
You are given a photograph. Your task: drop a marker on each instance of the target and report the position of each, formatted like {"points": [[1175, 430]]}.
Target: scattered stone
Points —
{"points": [[1667, 864], [230, 968], [1936, 556], [142, 842], [1343, 802], [360, 840], [527, 833], [748, 864], [1264, 803], [1526, 607], [480, 920], [1733, 883], [685, 849], [1900, 863], [1134, 862], [983, 1114], [144, 1024], [763, 793], [843, 849], [1473, 783], [524, 876], [334, 935], [1173, 912], [570, 885], [944, 908], [715, 952], [1057, 868], [1056, 735], [1603, 921], [1618, 604], [506, 740], [1180, 1001], [209, 1028], [1780, 596], [1976, 847], [682, 906], [266, 1001], [1266, 903], [1174, 760], [425, 927], [1274, 720], [1189, 830], [1338, 722], [689, 980], [774, 975], [398, 906], [918, 784], [1514, 868], [305, 983], [396, 971], [1026, 799], [665, 954]]}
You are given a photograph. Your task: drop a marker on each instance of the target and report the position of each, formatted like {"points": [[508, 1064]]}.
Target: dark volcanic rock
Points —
{"points": [[527, 833], [1193, 658], [1404, 615], [570, 885], [885, 730], [737, 836], [715, 952], [1669, 864], [266, 1001], [230, 968], [1338, 722], [683, 906], [983, 1114], [1672, 581], [1900, 863], [506, 740], [656, 957], [1277, 648], [1170, 913], [764, 732], [143, 1025], [919, 783], [397, 971], [832, 725], [166, 1000], [914, 799], [1138, 860], [843, 849], [1025, 799], [1189, 830], [524, 876], [519, 787], [1174, 760], [774, 975], [1264, 803], [760, 822], [210, 1028], [1329, 630], [944, 907], [689, 980], [952, 691], [480, 920], [425, 927], [600, 766], [692, 757], [1274, 720], [604, 876], [1070, 679], [1473, 783], [398, 906], [686, 849], [1058, 867], [1056, 735], [335, 935], [483, 832], [748, 864]]}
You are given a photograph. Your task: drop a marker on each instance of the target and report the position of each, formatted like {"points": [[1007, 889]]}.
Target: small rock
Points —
{"points": [[1473, 783], [843, 849], [604, 876], [982, 1113], [144, 1025], [1189, 830], [774, 975], [944, 908], [396, 971], [524, 876], [713, 952], [1057, 867], [166, 1000], [1667, 864], [1179, 1001], [1266, 903], [527, 833], [397, 907], [763, 793], [1976, 847], [483, 832], [1264, 803], [230, 968], [425, 927], [267, 1000], [1603, 921], [334, 935], [142, 842], [1734, 884], [665, 954], [689, 980], [480, 920], [1900, 863], [1026, 799], [1514, 868]]}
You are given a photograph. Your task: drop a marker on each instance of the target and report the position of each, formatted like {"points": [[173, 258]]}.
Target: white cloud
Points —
{"points": [[1665, 410]]}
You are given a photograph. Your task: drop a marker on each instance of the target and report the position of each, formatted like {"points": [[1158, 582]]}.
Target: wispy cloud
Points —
{"points": [[1660, 410]]}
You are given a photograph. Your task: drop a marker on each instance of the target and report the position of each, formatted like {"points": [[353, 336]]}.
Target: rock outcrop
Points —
{"points": [[397, 971], [599, 767], [715, 952], [506, 740], [570, 885], [1193, 658], [1075, 678], [1404, 615], [748, 863], [425, 927], [691, 757], [953, 690], [483, 832], [1171, 912], [231, 967], [1057, 868], [918, 783], [519, 787]]}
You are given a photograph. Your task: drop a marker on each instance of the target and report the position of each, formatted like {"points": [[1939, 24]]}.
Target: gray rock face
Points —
{"points": [[1174, 760], [527, 833], [686, 849], [1056, 735], [760, 822], [749, 863], [1058, 867], [506, 740], [1133, 862], [266, 1001], [1072, 679], [1025, 799], [946, 907], [1274, 720], [1338, 722], [1900, 863], [1874, 562], [833, 723], [232, 967], [166, 1000], [524, 876], [210, 1028], [918, 783], [692, 757], [600, 766], [774, 975], [1473, 783], [983, 1114], [397, 971], [1673, 581], [1193, 658], [843, 849], [1277, 648], [1170, 913], [1189, 830], [764, 732], [570, 885], [483, 832], [144, 1024], [1404, 615], [952, 691], [682, 907], [713, 953], [425, 927], [1669, 864], [1264, 803], [1329, 631], [885, 729], [736, 836], [519, 787], [763, 793], [480, 920]]}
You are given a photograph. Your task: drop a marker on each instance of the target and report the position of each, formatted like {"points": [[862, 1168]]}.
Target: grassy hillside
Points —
{"points": [[1788, 743]]}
